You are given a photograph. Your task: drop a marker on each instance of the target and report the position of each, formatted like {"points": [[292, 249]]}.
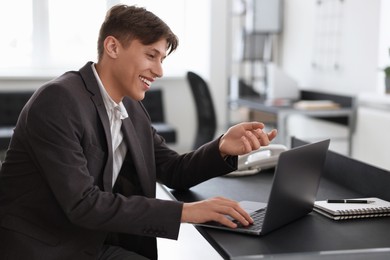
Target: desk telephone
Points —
{"points": [[264, 158]]}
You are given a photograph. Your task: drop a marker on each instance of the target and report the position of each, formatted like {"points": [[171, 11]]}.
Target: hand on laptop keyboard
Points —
{"points": [[217, 209], [258, 218]]}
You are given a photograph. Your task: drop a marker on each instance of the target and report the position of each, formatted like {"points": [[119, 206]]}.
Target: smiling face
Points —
{"points": [[132, 44], [130, 71]]}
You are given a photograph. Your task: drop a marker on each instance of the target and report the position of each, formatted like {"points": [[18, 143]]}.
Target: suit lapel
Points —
{"points": [[137, 155], [107, 174], [93, 87]]}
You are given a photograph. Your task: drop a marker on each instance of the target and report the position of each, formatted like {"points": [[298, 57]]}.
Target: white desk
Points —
{"points": [[191, 245]]}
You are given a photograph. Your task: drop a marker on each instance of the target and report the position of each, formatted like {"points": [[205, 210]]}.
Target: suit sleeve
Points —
{"points": [[187, 170]]}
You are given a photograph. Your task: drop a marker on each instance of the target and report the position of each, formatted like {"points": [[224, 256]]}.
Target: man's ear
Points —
{"points": [[111, 46]]}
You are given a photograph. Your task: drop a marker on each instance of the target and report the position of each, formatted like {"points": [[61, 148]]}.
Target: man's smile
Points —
{"points": [[146, 81]]}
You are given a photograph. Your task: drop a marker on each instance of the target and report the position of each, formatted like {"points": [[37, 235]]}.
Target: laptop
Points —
{"points": [[293, 192]]}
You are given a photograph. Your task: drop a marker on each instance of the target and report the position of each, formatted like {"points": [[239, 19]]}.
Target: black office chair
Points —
{"points": [[11, 103], [153, 102], [206, 117]]}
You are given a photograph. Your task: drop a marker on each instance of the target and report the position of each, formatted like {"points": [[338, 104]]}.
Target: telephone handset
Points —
{"points": [[264, 158]]}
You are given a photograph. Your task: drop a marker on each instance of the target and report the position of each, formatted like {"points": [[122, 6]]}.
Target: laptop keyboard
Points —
{"points": [[258, 218]]}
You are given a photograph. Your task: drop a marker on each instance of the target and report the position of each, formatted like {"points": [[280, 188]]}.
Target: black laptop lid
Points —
{"points": [[295, 185]]}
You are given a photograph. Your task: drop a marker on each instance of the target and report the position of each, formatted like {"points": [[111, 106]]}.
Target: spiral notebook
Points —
{"points": [[339, 211]]}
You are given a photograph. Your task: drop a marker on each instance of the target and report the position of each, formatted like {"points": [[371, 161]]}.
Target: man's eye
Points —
{"points": [[150, 56]]}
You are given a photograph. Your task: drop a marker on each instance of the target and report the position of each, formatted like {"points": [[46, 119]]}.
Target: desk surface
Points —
{"points": [[311, 234]]}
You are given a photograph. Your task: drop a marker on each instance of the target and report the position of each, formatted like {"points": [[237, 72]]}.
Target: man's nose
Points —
{"points": [[158, 70]]}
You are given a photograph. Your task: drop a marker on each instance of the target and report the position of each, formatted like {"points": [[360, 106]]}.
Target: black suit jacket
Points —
{"points": [[56, 195]]}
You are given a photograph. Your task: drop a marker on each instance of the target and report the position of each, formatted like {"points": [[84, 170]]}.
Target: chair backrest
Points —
{"points": [[153, 102], [206, 117], [11, 103]]}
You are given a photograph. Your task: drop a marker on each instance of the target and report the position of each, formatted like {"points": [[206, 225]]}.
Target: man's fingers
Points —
{"points": [[258, 138], [257, 125], [242, 216], [247, 145], [250, 126], [272, 134], [264, 137], [253, 140], [234, 210]]}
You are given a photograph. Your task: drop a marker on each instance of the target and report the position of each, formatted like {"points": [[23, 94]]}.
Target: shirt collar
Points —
{"points": [[109, 103]]}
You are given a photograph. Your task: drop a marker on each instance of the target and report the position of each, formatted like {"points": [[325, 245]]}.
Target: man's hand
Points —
{"points": [[215, 209], [244, 138]]}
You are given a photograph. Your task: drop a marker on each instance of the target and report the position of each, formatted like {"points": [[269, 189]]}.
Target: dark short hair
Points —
{"points": [[127, 23]]}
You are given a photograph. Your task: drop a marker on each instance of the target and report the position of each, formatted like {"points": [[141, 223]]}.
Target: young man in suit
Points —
{"points": [[78, 180]]}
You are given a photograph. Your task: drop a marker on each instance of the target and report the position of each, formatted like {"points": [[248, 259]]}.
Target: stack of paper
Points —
{"points": [[316, 104]]}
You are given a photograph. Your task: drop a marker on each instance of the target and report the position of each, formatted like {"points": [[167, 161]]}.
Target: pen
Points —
{"points": [[349, 201]]}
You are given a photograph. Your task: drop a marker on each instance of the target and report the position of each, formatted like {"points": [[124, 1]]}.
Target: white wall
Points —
{"points": [[372, 139], [384, 42], [220, 58], [358, 46]]}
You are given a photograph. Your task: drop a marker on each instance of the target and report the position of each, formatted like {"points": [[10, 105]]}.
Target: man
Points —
{"points": [[78, 180]]}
